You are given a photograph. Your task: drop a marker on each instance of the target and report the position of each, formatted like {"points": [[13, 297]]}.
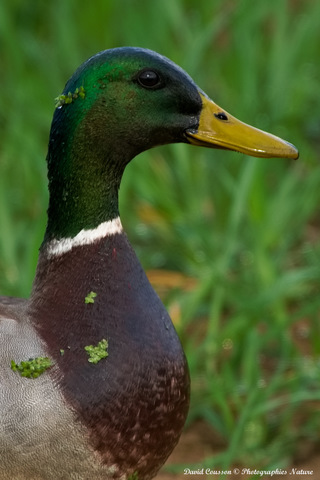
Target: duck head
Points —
{"points": [[117, 104]]}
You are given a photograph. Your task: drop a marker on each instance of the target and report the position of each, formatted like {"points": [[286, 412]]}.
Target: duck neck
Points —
{"points": [[84, 171]]}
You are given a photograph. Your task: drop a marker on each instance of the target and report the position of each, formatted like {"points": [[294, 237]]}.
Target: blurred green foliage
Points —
{"points": [[244, 230]]}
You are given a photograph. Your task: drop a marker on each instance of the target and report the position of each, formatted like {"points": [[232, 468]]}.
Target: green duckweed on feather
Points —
{"points": [[97, 353], [69, 97], [32, 368], [90, 297]]}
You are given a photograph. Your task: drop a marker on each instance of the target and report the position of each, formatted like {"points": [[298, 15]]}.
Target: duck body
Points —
{"points": [[131, 408], [121, 416]]}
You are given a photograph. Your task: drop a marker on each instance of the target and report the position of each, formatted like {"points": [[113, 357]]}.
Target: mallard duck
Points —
{"points": [[94, 382]]}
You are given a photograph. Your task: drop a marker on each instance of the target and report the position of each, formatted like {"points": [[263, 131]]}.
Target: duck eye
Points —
{"points": [[149, 79], [221, 116]]}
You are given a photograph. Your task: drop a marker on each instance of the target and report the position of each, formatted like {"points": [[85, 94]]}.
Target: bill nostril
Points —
{"points": [[221, 116]]}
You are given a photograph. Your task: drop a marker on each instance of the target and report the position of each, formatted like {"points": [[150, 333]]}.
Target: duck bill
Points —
{"points": [[219, 129]]}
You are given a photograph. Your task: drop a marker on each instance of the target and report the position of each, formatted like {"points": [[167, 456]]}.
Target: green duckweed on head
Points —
{"points": [[33, 367], [97, 353], [70, 97]]}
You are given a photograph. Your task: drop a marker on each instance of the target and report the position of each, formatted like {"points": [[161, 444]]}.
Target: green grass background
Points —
{"points": [[244, 230]]}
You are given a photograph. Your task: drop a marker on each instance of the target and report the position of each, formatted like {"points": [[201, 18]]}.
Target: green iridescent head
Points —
{"points": [[136, 99]]}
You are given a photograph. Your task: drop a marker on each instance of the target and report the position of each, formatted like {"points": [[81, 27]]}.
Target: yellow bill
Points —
{"points": [[219, 129]]}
